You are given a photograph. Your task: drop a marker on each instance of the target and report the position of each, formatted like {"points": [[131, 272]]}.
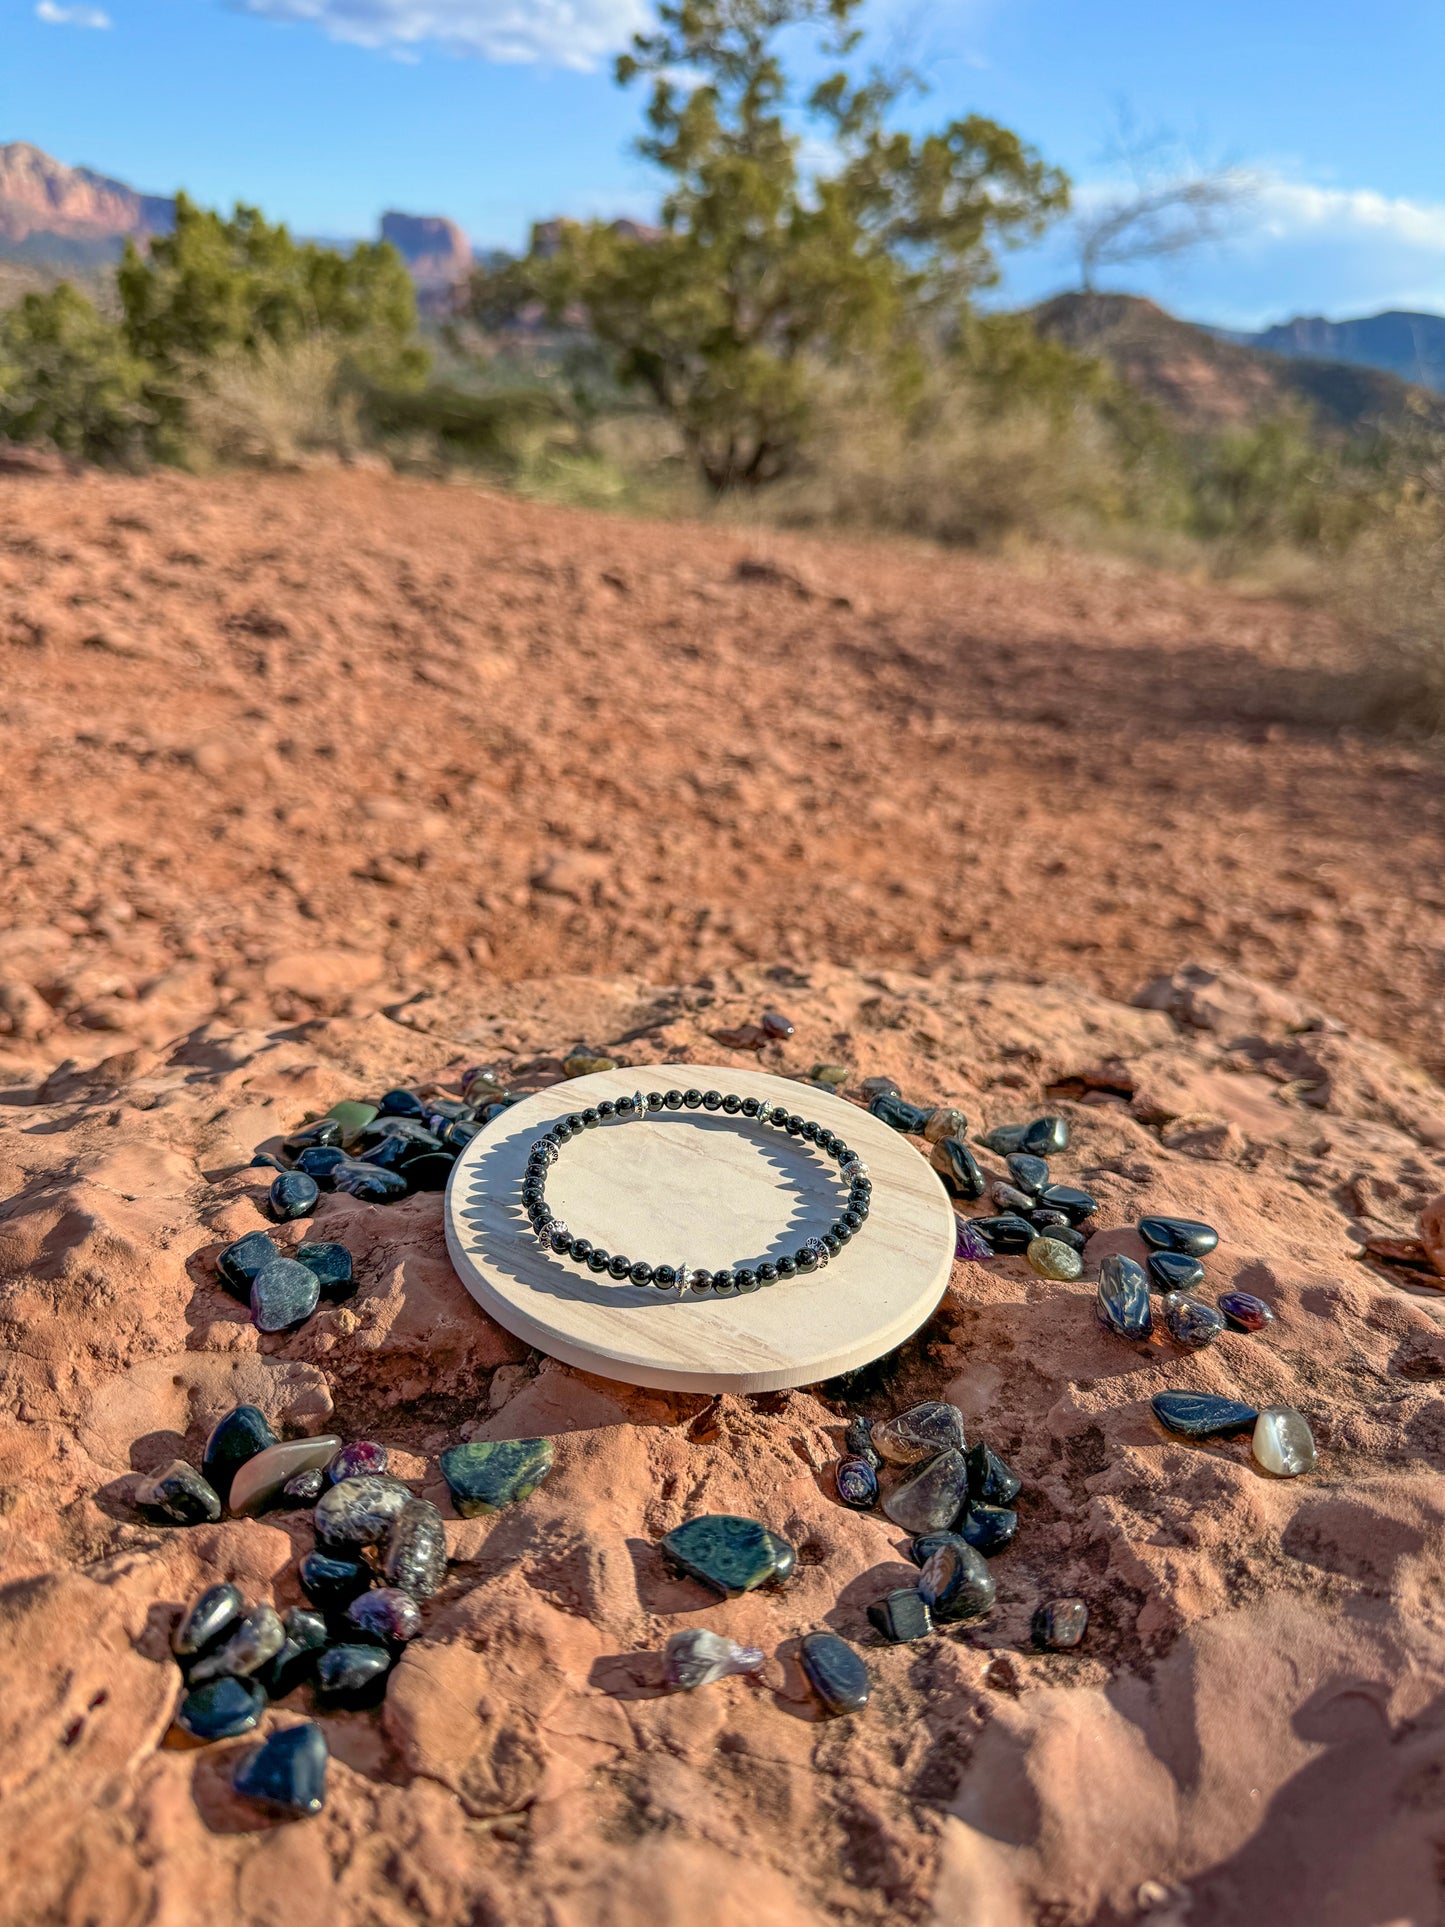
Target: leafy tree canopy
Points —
{"points": [[68, 379], [763, 271]]}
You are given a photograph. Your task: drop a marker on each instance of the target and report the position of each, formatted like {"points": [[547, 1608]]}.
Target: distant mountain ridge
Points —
{"points": [[1402, 343]]}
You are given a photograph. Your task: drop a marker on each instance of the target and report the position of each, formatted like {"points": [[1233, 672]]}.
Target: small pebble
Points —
{"points": [[332, 1582], [741, 1036], [1283, 1442], [1064, 1234], [262, 1479], [836, 1075], [899, 1116], [207, 1621], [989, 1480], [1174, 1271], [1122, 1302], [332, 1266], [1052, 1258], [777, 1025], [858, 1441], [222, 1709], [239, 1436], [731, 1554], [959, 1169], [583, 1063], [902, 1617], [362, 1459], [987, 1528], [944, 1122], [415, 1555], [483, 1086], [1003, 1139], [835, 1672], [286, 1774], [320, 1162], [386, 1613], [358, 1512], [353, 1675], [920, 1433], [955, 1582], [1200, 1415], [283, 1295], [1030, 1174], [292, 1195], [1243, 1312], [179, 1495], [1008, 1198], [872, 1087], [322, 1131], [857, 1484], [696, 1657], [933, 1498], [1060, 1625], [490, 1473], [259, 1637], [1179, 1234], [1190, 1321], [239, 1262]]}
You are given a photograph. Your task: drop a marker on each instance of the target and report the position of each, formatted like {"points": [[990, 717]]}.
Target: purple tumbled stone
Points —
{"points": [[386, 1613], [360, 1460], [1244, 1312], [969, 1244]]}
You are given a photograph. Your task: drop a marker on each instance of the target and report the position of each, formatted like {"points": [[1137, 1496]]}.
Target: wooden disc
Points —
{"points": [[703, 1189]]}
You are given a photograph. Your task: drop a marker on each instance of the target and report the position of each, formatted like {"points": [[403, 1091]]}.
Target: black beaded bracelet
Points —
{"points": [[554, 1236]]}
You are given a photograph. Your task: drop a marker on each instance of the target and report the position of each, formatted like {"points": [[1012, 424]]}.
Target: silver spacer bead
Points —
{"points": [[765, 1111], [639, 1103]]}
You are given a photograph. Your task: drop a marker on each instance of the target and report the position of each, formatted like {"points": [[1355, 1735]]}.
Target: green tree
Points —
{"points": [[68, 379], [762, 273]]}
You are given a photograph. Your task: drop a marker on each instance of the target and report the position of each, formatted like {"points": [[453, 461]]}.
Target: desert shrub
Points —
{"points": [[270, 405], [67, 379], [1390, 589]]}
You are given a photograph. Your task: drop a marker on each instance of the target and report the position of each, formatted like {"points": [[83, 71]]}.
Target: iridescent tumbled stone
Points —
{"points": [[1052, 1258], [386, 1613], [955, 1583], [901, 1616], [286, 1774], [933, 1498], [944, 1122], [1122, 1304], [362, 1459], [331, 1581], [179, 1495], [295, 1660], [1004, 1235], [920, 1433], [1190, 1321], [857, 1484], [332, 1266], [731, 1554], [1075, 1204], [1188, 1235], [1283, 1442], [1042, 1137], [959, 1169], [835, 1672], [696, 1657], [490, 1473], [372, 1183], [1059, 1625], [1243, 1312], [1201, 1415]]}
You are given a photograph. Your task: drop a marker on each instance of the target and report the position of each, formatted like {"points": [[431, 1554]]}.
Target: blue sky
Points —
{"points": [[496, 112]]}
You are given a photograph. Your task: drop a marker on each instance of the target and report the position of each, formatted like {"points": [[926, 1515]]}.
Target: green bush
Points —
{"points": [[69, 380]]}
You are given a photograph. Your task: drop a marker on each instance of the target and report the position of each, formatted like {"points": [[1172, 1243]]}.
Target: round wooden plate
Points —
{"points": [[706, 1190]]}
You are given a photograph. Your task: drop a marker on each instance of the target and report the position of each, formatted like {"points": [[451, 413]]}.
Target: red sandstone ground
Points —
{"points": [[296, 775]]}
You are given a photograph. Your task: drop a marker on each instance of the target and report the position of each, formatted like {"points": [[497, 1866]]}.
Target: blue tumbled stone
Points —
{"points": [[857, 1484], [288, 1773], [988, 1528], [221, 1709]]}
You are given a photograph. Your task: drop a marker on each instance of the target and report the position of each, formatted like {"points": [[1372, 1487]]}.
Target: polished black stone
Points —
{"points": [[372, 1183], [353, 1675], [1030, 1174], [1179, 1234], [931, 1500], [1005, 1234], [1044, 1137], [332, 1265], [1059, 1625], [287, 1774], [239, 1436], [325, 1130], [730, 1554], [358, 1511], [1004, 1139], [857, 1484], [213, 1616], [247, 1649], [221, 1709], [263, 1161], [331, 1581], [988, 1528], [618, 1265], [1190, 1321], [893, 1111], [306, 1637], [921, 1432], [415, 1555], [456, 1137], [400, 1104], [1064, 1234], [692, 1098], [1076, 1205], [1008, 1199], [320, 1163], [490, 1473], [1201, 1415], [1122, 1302], [835, 1672], [990, 1482], [858, 1441], [902, 1617], [955, 1582], [292, 1195], [283, 1295], [239, 1262], [1174, 1271]]}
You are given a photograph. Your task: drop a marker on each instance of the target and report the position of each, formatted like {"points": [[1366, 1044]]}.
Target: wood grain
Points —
{"points": [[702, 1189]]}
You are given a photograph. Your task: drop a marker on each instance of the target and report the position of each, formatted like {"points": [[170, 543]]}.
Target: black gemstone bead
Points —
{"points": [[574, 1123], [655, 1100], [590, 1119], [810, 1133], [750, 1107], [806, 1260], [673, 1100], [793, 1124], [664, 1277], [581, 1247], [745, 1278], [832, 1243], [618, 1265], [692, 1099], [842, 1231], [642, 1274], [699, 1281], [787, 1267], [606, 1108], [853, 1219], [712, 1100], [725, 1280], [598, 1260], [625, 1106], [767, 1274], [732, 1104]]}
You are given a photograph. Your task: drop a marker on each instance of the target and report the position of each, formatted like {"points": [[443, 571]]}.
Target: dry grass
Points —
{"points": [[272, 407], [1390, 590]]}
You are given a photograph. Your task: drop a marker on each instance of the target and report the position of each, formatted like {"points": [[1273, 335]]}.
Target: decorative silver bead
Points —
{"points": [[639, 1105], [765, 1111], [817, 1246], [684, 1277], [853, 1167], [554, 1235]]}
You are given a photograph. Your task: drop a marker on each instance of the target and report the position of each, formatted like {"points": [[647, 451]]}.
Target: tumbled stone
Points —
{"points": [[287, 1774], [206, 1622], [292, 1195], [989, 1480], [1059, 1625], [987, 1528], [429, 1170], [777, 1025], [731, 1554], [259, 1637], [1243, 1312], [1009, 1200], [1030, 1174], [835, 1672], [1200, 1415], [372, 1183], [400, 1103], [901, 1616], [305, 1489], [239, 1262], [332, 1582], [741, 1037], [1123, 1304], [362, 1459], [263, 1161], [221, 1709], [1004, 1235], [1179, 1234], [1052, 1258], [1044, 1137], [262, 1479], [1174, 1271], [696, 1657], [353, 1117], [295, 1661], [320, 1163], [858, 1441], [320, 1132], [968, 1244], [932, 1499], [332, 1265], [955, 1582], [489, 1473], [1283, 1443], [959, 1169], [899, 1116], [1003, 1139], [944, 1122], [386, 1613], [353, 1675], [358, 1512], [179, 1495], [1062, 1233], [239, 1436], [399, 1134], [871, 1086], [283, 1295], [415, 1556], [1075, 1204], [920, 1433], [583, 1063], [483, 1085], [857, 1484], [836, 1075], [1190, 1321]]}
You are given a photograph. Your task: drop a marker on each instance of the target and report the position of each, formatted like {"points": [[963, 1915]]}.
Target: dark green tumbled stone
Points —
{"points": [[902, 1616], [1200, 1415], [353, 1117], [1179, 1234], [283, 1295], [221, 1709], [835, 1672], [990, 1481], [332, 1266], [490, 1473], [288, 1773], [292, 1195], [893, 1111], [239, 1436], [239, 1262], [730, 1554]]}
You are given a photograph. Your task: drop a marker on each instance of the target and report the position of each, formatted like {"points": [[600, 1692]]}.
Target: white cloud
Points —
{"points": [[1292, 209], [558, 33], [57, 16]]}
